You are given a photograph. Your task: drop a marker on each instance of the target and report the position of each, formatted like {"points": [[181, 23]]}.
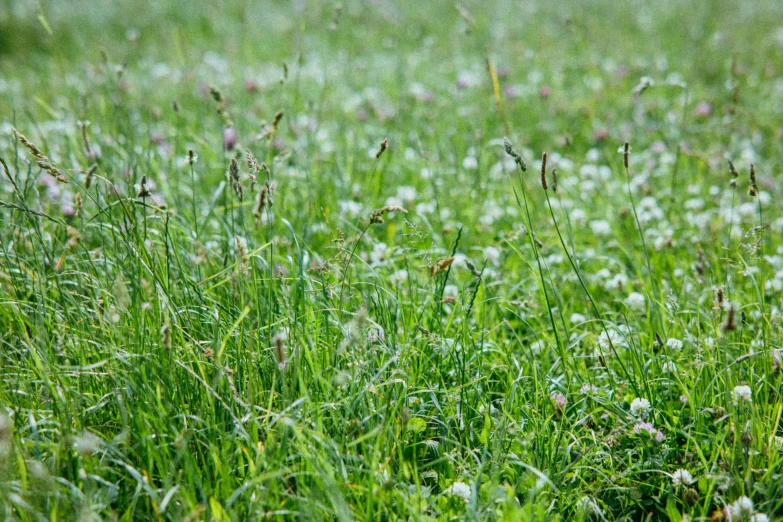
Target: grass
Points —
{"points": [[222, 298]]}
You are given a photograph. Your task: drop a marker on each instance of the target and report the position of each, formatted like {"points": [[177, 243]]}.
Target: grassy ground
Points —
{"points": [[206, 316]]}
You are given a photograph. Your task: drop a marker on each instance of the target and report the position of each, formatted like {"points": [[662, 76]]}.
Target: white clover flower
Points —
{"points": [[741, 509], [601, 227], [636, 301], [682, 477], [470, 163], [399, 276], [674, 344], [460, 490], [607, 340], [669, 367], [588, 506], [577, 318], [406, 193], [741, 393], [492, 254], [640, 408]]}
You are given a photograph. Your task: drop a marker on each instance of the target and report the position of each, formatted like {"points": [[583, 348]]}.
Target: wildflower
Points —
{"points": [[636, 301], [609, 338], [470, 163], [588, 506], [682, 477], [669, 367], [640, 408], [704, 110], [601, 227], [229, 138], [759, 517], [559, 401], [588, 389], [577, 318], [741, 509], [646, 428], [741, 393], [460, 490], [674, 344]]}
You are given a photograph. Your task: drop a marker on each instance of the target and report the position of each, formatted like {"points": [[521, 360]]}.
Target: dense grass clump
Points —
{"points": [[391, 260]]}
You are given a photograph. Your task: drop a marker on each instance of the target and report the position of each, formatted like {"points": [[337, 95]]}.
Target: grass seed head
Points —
{"points": [[377, 215], [626, 155], [543, 172], [143, 191], [279, 342], [731, 322], [753, 187], [441, 266], [381, 148], [90, 174], [514, 154]]}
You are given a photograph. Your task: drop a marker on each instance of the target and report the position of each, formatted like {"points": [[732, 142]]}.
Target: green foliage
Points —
{"points": [[277, 262]]}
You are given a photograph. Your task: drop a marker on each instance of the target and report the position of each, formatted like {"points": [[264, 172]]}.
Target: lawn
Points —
{"points": [[391, 260]]}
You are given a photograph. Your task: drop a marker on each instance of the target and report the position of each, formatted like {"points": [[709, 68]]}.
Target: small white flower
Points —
{"points": [[577, 318], [610, 339], [741, 509], [601, 227], [759, 517], [460, 490], [588, 506], [492, 254], [470, 163], [636, 301], [669, 367], [741, 393], [745, 505], [399, 277], [674, 344], [682, 477], [640, 408], [406, 193]]}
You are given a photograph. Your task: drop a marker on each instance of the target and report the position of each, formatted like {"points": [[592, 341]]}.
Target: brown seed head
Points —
{"points": [[381, 148], [626, 154]]}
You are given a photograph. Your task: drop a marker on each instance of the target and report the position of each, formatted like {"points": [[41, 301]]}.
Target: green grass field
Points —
{"points": [[294, 260]]}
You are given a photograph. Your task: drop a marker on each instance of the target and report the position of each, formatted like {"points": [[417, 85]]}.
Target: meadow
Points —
{"points": [[391, 260]]}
